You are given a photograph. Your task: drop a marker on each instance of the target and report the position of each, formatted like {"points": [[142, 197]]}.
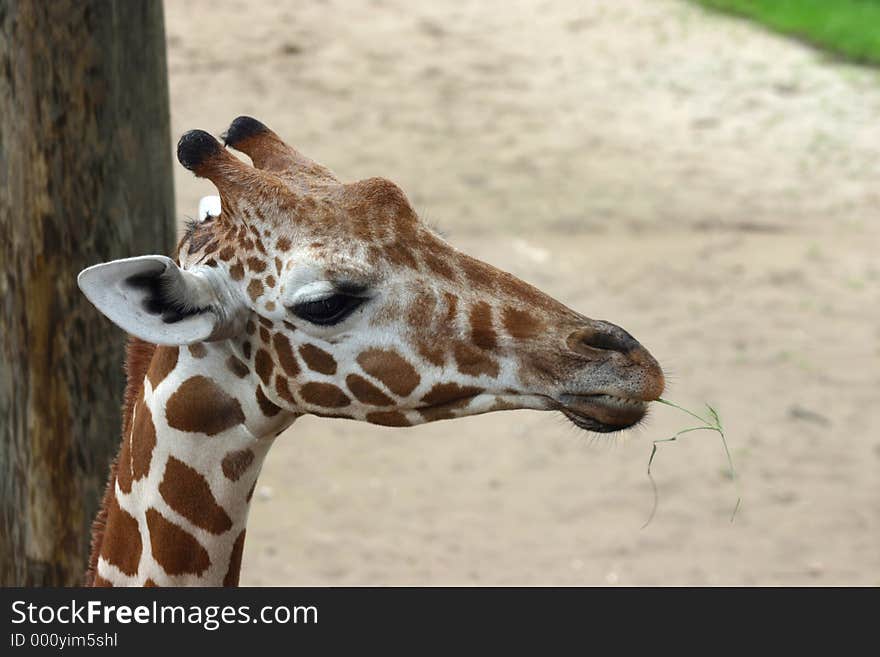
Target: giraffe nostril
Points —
{"points": [[610, 342], [604, 336]]}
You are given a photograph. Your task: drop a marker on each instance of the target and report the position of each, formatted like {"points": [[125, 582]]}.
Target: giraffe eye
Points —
{"points": [[328, 311]]}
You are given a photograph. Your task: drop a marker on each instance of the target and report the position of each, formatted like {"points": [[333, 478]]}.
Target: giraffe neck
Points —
{"points": [[194, 439]]}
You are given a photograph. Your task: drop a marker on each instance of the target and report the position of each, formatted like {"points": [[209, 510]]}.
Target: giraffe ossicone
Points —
{"points": [[296, 293]]}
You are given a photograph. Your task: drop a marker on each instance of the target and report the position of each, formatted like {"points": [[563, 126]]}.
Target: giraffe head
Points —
{"points": [[340, 302]]}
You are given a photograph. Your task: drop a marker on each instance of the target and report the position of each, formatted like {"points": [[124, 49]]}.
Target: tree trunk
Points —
{"points": [[85, 177]]}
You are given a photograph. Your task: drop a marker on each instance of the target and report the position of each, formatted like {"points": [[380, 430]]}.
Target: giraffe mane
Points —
{"points": [[138, 355]]}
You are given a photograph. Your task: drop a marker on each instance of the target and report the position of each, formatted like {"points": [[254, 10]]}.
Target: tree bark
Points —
{"points": [[85, 177]]}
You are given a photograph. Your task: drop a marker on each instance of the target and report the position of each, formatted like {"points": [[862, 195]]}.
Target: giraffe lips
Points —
{"points": [[603, 412]]}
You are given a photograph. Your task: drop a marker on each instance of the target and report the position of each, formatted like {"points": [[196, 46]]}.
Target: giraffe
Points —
{"points": [[300, 294]]}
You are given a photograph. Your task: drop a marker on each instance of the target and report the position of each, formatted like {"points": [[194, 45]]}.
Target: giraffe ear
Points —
{"points": [[154, 299]]}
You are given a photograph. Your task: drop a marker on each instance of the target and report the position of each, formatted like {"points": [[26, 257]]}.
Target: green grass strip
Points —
{"points": [[711, 423], [849, 28]]}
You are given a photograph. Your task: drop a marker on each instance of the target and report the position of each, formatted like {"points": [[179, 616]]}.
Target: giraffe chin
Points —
{"points": [[603, 413]]}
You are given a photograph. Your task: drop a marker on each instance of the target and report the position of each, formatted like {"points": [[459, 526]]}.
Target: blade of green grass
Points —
{"points": [[713, 424]]}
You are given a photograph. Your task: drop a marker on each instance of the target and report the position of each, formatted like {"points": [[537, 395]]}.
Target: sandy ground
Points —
{"points": [[709, 186]]}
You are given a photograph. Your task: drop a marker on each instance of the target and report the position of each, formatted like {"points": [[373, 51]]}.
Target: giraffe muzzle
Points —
{"points": [[620, 378], [603, 413]]}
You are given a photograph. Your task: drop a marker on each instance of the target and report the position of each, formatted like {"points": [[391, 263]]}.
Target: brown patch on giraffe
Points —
{"points": [[246, 349], [200, 405], [520, 324], [478, 274], [177, 551], [249, 327], [283, 390], [237, 367], [438, 413], [213, 246], [98, 581], [375, 255], [122, 539], [236, 463], [444, 393], [187, 491], [288, 325], [390, 368], [282, 244], [421, 308], [405, 223], [232, 573], [285, 354], [474, 362], [503, 405], [388, 419], [439, 266], [164, 361], [210, 262], [324, 394], [278, 264], [264, 366], [256, 264], [255, 289], [451, 307], [270, 281], [270, 306], [530, 296], [138, 359], [366, 392], [265, 321], [123, 472], [226, 253], [399, 255], [444, 398], [143, 440], [150, 584], [198, 350], [236, 271], [266, 405], [432, 353], [265, 336], [362, 226], [317, 359], [482, 331]]}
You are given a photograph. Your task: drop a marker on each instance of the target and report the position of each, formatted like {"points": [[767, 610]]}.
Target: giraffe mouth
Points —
{"points": [[603, 412]]}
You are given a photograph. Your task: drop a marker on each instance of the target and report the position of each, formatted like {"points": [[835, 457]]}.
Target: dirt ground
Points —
{"points": [[709, 186]]}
